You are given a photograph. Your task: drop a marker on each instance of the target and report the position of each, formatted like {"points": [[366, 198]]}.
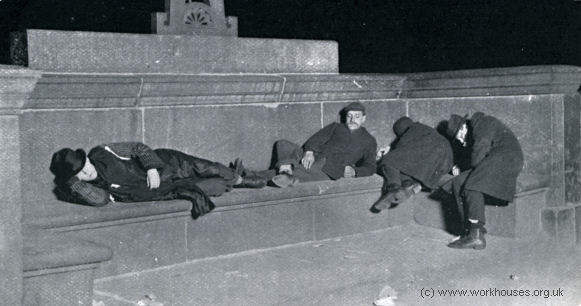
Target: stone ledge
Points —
{"points": [[43, 252], [68, 216], [300, 192]]}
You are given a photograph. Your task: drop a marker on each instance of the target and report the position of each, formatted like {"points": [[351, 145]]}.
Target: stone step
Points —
{"points": [[60, 271]]}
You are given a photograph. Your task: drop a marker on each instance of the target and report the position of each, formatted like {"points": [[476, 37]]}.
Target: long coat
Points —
{"points": [[496, 158], [342, 147], [422, 153], [122, 176]]}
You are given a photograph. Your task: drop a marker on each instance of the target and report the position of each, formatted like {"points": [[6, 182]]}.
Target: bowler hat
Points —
{"points": [[401, 125], [355, 106], [454, 124], [66, 163]]}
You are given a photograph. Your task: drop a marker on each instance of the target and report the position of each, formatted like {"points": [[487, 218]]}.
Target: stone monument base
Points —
{"points": [[68, 51]]}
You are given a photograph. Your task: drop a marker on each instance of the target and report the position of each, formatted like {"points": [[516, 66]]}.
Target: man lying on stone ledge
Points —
{"points": [[338, 150], [133, 172]]}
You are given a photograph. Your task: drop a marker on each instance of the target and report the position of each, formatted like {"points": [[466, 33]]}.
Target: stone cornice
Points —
{"points": [[106, 90], [525, 80], [16, 84]]}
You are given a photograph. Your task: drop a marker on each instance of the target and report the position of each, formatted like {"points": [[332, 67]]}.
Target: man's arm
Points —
{"points": [[146, 156], [482, 143], [128, 150], [368, 165], [88, 194]]}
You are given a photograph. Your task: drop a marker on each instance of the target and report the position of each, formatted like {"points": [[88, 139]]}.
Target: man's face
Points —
{"points": [[354, 119], [461, 135], [88, 173]]}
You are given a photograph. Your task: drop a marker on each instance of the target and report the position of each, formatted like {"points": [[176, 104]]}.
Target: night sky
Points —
{"points": [[385, 36]]}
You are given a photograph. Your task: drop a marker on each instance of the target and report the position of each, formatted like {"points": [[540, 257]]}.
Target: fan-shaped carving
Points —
{"points": [[199, 15]]}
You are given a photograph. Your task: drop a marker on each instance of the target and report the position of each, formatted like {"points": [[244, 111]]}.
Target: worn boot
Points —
{"points": [[250, 179], [284, 180], [474, 239], [387, 197]]}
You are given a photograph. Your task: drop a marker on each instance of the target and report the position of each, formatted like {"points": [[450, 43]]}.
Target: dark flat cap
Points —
{"points": [[355, 106]]}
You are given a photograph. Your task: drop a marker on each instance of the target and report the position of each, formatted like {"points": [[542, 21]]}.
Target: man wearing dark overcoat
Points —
{"points": [[496, 159], [420, 155], [133, 172], [338, 150]]}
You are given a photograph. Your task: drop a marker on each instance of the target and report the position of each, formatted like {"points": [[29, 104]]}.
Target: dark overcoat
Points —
{"points": [[496, 158], [122, 176], [342, 147], [422, 153]]}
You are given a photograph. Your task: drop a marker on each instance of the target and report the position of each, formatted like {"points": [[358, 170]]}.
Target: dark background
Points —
{"points": [[374, 35]]}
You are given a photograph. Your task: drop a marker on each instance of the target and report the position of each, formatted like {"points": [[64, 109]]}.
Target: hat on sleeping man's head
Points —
{"points": [[66, 163]]}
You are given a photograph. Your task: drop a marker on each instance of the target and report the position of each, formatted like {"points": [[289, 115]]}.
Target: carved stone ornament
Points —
{"points": [[194, 17]]}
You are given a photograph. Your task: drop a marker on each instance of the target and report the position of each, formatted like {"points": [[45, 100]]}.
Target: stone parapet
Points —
{"points": [[224, 116]]}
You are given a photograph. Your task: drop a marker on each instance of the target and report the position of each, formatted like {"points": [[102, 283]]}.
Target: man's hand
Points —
{"points": [[308, 159], [455, 170], [349, 172], [153, 180], [239, 180], [382, 151]]}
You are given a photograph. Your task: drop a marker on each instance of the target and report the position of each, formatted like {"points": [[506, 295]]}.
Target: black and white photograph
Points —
{"points": [[290, 152]]}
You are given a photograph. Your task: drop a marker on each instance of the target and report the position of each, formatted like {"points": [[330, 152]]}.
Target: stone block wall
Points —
{"points": [[221, 117]]}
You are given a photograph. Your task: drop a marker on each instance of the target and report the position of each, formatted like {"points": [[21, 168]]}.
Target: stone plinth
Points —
{"points": [[63, 51], [15, 87]]}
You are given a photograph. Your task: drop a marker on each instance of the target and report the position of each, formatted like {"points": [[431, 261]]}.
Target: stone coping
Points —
{"points": [[299, 192], [66, 216], [45, 251], [72, 216]]}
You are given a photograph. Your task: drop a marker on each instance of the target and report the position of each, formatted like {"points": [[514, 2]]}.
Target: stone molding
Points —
{"points": [[61, 90], [16, 84]]}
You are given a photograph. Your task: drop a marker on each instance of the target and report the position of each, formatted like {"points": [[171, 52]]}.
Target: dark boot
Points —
{"points": [[284, 180], [387, 197], [252, 181], [474, 239]]}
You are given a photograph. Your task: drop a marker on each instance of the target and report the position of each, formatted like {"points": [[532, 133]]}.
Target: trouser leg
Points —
{"points": [[475, 205], [391, 175], [287, 153]]}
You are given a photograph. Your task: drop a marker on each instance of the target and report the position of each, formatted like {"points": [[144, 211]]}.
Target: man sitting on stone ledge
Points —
{"points": [[133, 172], [420, 156], [496, 159], [338, 150]]}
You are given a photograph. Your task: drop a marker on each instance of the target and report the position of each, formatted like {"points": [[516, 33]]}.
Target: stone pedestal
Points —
{"points": [[67, 51], [15, 87]]}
